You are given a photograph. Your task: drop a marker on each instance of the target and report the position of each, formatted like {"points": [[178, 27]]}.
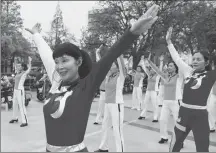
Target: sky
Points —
{"points": [[75, 14]]}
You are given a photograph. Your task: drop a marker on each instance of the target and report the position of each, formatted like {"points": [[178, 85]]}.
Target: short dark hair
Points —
{"points": [[177, 69], [24, 66], [74, 51], [67, 49], [141, 68], [204, 54]]}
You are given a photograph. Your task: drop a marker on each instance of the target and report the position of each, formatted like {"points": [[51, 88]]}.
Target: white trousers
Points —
{"points": [[169, 107], [137, 97], [161, 95], [19, 103], [101, 105], [113, 116], [212, 111], [160, 98], [150, 96]]}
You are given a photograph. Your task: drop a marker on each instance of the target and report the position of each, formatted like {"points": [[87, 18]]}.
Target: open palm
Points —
{"points": [[145, 21], [169, 34], [36, 29]]}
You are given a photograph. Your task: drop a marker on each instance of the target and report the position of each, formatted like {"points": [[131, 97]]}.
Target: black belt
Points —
{"points": [[102, 90]]}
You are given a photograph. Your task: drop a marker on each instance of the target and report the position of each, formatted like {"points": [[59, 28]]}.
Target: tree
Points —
{"points": [[194, 24], [11, 24], [114, 17], [58, 33]]}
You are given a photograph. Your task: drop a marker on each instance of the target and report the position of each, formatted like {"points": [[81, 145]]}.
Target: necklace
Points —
{"points": [[170, 77]]}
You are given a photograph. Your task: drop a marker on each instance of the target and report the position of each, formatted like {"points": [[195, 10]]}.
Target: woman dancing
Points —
{"points": [[193, 114], [160, 94], [19, 93], [212, 108], [74, 82], [151, 92], [114, 106], [138, 77], [101, 102], [171, 97]]}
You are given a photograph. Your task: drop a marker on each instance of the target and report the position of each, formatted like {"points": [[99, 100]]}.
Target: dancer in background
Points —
{"points": [[193, 114], [101, 102], [212, 109], [138, 76], [151, 92], [160, 95], [74, 83], [170, 101], [19, 93], [114, 106]]}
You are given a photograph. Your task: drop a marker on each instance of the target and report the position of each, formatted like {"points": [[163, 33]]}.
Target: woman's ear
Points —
{"points": [[79, 61], [207, 63]]}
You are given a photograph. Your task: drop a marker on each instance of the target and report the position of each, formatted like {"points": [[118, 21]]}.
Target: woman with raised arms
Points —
{"points": [[170, 99], [74, 82], [151, 92], [193, 114]]}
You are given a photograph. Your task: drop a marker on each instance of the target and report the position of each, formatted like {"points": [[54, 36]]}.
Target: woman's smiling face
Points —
{"points": [[198, 62], [67, 67]]}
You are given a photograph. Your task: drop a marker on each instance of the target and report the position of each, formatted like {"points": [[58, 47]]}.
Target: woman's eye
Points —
{"points": [[64, 60]]}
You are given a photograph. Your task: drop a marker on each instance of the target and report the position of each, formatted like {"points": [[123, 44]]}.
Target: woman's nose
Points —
{"points": [[59, 66]]}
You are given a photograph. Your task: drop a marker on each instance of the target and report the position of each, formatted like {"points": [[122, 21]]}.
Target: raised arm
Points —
{"points": [[44, 50], [29, 65], [183, 67], [157, 70], [123, 44], [98, 56], [161, 63], [43, 78], [212, 75], [131, 72], [143, 65], [121, 67], [130, 63], [190, 58]]}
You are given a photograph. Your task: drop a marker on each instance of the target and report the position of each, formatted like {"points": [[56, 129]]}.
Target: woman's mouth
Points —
{"points": [[195, 65], [63, 73]]}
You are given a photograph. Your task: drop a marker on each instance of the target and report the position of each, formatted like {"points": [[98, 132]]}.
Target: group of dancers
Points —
{"points": [[165, 88], [75, 79]]}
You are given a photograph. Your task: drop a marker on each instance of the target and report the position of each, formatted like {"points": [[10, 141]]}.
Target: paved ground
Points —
{"points": [[140, 136]]}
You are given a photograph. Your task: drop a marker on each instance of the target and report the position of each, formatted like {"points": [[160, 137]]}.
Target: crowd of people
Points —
{"points": [[175, 88]]}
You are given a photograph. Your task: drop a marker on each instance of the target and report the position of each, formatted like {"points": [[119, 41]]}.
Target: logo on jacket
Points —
{"points": [[179, 119], [196, 80]]}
